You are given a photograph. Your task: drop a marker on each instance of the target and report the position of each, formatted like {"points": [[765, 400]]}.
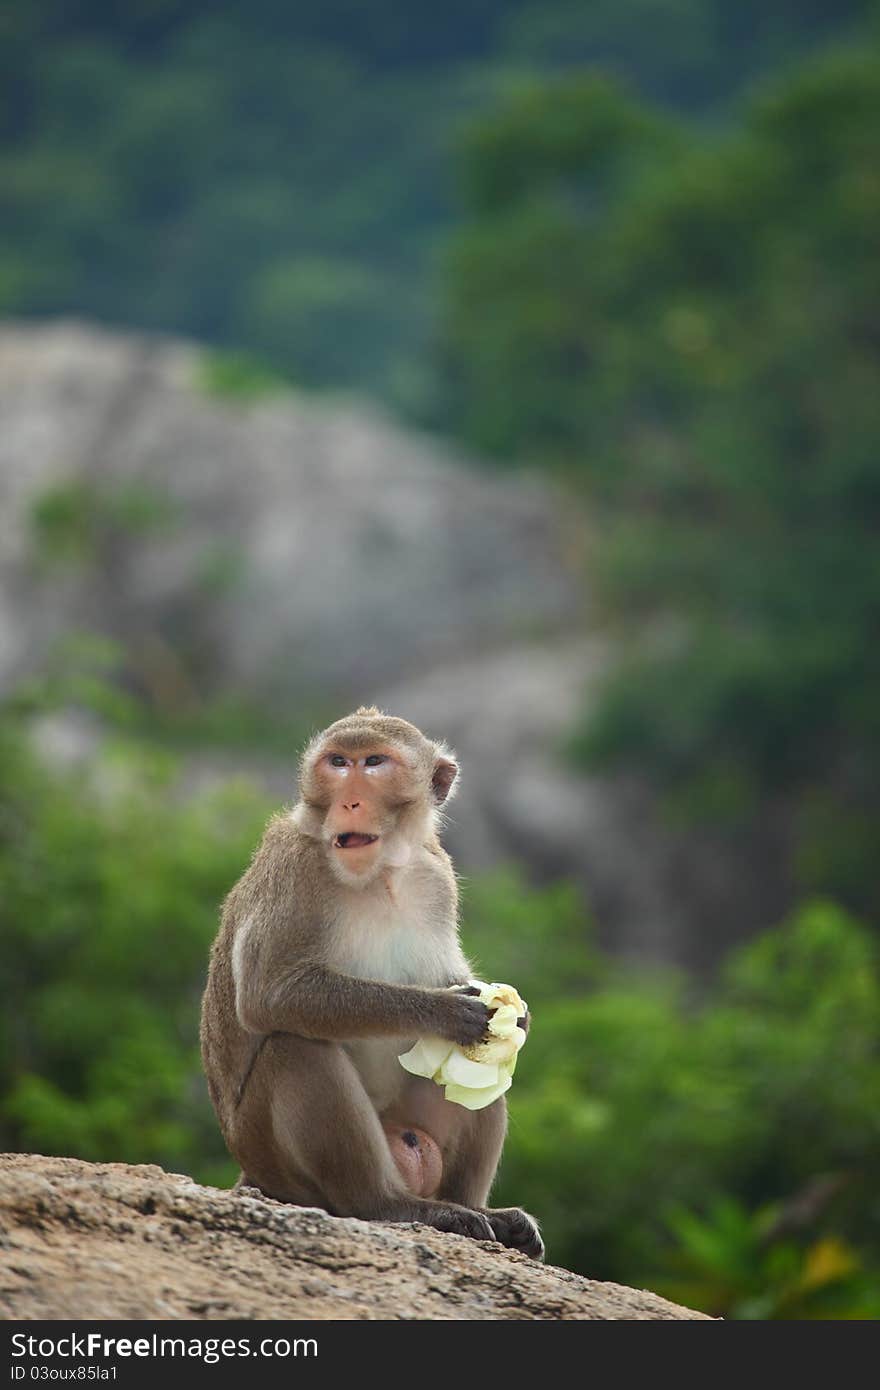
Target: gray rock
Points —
{"points": [[308, 548], [114, 1240]]}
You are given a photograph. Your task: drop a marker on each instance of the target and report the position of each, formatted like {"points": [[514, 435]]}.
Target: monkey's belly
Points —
{"points": [[408, 1106], [382, 1076]]}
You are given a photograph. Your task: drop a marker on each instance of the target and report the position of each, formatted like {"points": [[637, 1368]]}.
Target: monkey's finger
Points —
{"points": [[473, 1022]]}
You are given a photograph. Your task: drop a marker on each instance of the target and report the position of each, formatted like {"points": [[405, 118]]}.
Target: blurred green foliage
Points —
{"points": [[237, 376], [74, 524], [685, 329], [662, 1140], [746, 1265], [155, 677], [110, 885], [274, 177], [95, 675], [724, 1150]]}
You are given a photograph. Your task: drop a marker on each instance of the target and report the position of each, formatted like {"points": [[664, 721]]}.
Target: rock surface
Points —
{"points": [[287, 546], [95, 1241]]}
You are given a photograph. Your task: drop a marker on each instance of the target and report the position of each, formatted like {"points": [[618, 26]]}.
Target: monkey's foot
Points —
{"points": [[246, 1187], [516, 1229], [447, 1216]]}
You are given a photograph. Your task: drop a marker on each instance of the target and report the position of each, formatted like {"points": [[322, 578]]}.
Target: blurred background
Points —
{"points": [[511, 364]]}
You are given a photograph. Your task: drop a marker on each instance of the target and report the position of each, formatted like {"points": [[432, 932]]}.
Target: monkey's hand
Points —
{"points": [[524, 1023], [463, 1019]]}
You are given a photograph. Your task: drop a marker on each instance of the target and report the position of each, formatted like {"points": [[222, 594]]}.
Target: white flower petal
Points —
{"points": [[477, 1098], [504, 1021], [427, 1056], [461, 1071], [494, 995]]}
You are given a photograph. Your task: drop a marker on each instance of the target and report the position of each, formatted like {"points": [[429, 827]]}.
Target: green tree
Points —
{"points": [[685, 330], [110, 886], [272, 178], [724, 1150]]}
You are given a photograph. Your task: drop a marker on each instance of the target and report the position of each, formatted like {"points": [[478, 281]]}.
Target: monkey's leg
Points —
{"points": [[312, 1136], [471, 1172]]}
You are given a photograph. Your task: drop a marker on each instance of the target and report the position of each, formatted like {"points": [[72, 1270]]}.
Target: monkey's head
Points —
{"points": [[371, 787]]}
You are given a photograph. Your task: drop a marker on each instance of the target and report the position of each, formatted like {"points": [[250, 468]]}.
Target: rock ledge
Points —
{"points": [[94, 1241]]}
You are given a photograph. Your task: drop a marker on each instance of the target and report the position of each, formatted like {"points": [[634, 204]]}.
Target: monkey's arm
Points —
{"points": [[315, 1002]]}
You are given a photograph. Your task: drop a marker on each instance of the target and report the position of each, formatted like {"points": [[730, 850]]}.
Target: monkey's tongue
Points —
{"points": [[354, 839]]}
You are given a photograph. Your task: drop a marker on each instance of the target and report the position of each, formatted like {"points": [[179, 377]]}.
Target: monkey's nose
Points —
{"points": [[352, 806]]}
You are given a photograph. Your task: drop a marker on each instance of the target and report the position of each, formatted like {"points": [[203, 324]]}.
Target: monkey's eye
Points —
{"points": [[337, 760], [375, 759]]}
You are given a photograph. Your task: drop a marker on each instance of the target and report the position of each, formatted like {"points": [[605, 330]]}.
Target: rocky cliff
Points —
{"points": [[94, 1241], [288, 546]]}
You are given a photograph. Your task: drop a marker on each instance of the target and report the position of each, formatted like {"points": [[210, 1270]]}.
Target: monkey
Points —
{"points": [[337, 949]]}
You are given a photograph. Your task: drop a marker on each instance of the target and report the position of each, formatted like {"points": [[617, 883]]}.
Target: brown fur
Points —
{"points": [[330, 961]]}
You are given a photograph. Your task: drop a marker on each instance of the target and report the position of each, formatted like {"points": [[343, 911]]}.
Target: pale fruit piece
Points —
{"points": [[506, 1035], [473, 1099], [476, 1075], [459, 1069], [427, 1056]]}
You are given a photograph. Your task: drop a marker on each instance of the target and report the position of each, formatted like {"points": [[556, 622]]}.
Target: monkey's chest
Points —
{"points": [[376, 940], [398, 949], [392, 955]]}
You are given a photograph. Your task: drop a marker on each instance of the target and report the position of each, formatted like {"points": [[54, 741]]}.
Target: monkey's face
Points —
{"points": [[367, 793], [371, 788]]}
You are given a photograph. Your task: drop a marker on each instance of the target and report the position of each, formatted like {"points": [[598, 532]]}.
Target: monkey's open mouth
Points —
{"points": [[353, 839]]}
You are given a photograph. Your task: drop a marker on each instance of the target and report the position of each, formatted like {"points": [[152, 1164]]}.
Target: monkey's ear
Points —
{"points": [[442, 778]]}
